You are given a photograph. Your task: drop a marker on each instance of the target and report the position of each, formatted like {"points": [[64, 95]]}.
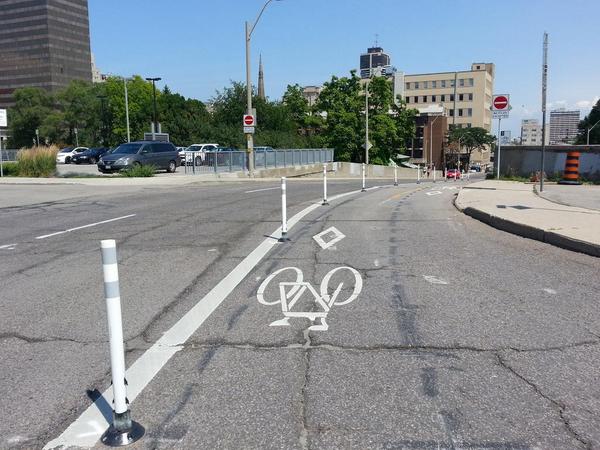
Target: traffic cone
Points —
{"points": [[571, 173]]}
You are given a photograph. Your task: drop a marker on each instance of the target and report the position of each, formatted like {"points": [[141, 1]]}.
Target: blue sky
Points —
{"points": [[197, 46]]}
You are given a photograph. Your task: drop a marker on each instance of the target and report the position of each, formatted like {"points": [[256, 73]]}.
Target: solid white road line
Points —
{"points": [[87, 429], [83, 226], [264, 189], [8, 246]]}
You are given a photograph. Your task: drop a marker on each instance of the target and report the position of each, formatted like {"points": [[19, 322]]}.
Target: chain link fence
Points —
{"points": [[9, 155]]}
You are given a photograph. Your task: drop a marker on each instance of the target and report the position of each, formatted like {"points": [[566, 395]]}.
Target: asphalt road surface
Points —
{"points": [[389, 321]]}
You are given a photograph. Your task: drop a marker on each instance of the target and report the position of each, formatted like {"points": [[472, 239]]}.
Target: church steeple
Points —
{"points": [[261, 79]]}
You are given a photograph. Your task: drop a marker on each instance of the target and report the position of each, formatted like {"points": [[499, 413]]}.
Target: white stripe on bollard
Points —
{"points": [[283, 237], [325, 202], [122, 431], [363, 178], [395, 176], [434, 173]]}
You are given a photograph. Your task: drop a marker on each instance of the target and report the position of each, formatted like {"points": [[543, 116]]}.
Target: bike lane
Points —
{"points": [[266, 371]]}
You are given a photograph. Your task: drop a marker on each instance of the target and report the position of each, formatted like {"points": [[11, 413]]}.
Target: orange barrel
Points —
{"points": [[571, 173]]}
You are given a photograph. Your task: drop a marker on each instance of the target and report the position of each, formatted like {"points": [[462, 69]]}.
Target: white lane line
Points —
{"points": [[8, 246], [85, 431], [433, 193], [84, 226], [264, 189], [434, 280]]}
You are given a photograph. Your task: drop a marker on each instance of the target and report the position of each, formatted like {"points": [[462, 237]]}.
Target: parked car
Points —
{"points": [[90, 156], [263, 149], [220, 153], [66, 154], [200, 148], [453, 173], [161, 155]]}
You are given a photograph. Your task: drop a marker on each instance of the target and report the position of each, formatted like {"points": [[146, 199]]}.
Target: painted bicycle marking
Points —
{"points": [[290, 292]]}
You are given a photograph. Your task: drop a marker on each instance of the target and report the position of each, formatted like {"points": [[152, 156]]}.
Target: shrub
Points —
{"points": [[37, 161], [10, 169], [143, 170]]}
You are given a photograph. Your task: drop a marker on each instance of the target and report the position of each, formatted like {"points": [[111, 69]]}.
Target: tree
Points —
{"points": [[592, 118], [473, 138], [296, 105], [32, 106], [341, 103]]}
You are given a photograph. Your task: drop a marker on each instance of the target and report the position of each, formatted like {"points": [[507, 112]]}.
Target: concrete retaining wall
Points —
{"points": [[525, 160]]}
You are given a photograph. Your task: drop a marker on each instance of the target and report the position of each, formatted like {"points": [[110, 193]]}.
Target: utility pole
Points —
{"points": [[249, 136], [155, 121], [367, 122], [544, 88], [126, 109]]}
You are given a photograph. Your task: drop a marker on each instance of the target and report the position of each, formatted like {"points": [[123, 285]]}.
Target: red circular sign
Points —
{"points": [[248, 120], [500, 102]]}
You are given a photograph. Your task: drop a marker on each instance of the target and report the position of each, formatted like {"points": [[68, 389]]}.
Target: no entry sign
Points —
{"points": [[248, 120], [500, 106]]}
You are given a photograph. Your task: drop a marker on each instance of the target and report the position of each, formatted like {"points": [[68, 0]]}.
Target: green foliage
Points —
{"points": [[32, 106], [592, 118], [10, 169], [37, 161], [141, 170], [474, 138]]}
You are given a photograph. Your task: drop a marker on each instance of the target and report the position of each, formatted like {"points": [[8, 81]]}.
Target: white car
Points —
{"points": [[187, 157], [65, 155]]}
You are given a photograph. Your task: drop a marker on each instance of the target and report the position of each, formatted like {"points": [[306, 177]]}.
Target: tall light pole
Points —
{"points": [[126, 109], [155, 120], [587, 141], [367, 122], [431, 142], [544, 88], [249, 139]]}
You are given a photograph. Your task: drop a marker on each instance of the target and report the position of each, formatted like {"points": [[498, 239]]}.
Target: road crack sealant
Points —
{"points": [[560, 406]]}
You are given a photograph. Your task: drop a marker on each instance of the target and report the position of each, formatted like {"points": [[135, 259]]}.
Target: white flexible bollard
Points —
{"points": [[418, 175], [364, 174], [325, 202], [123, 430], [395, 175], [283, 237], [433, 173]]}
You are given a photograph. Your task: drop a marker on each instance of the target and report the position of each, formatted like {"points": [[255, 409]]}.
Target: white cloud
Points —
{"points": [[586, 104]]}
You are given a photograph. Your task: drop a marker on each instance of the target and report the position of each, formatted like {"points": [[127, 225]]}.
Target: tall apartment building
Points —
{"points": [[563, 126], [43, 43], [531, 132], [373, 59], [465, 95]]}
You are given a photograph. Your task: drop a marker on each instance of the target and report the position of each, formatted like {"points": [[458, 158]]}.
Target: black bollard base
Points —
{"points": [[284, 238], [120, 438], [325, 203]]}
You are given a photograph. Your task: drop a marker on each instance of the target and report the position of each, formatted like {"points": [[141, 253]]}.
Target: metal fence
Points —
{"points": [[9, 155], [236, 161]]}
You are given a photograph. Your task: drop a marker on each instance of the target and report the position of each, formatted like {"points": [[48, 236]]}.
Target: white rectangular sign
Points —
{"points": [[500, 114], [249, 130], [3, 120]]}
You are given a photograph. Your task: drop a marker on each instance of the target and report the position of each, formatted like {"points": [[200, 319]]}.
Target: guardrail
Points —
{"points": [[237, 161]]}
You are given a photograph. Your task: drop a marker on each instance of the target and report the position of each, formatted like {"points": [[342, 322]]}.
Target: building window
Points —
{"points": [[407, 86], [451, 111], [425, 84], [468, 125], [461, 82], [416, 99], [469, 112], [433, 98], [424, 99], [451, 97], [416, 85], [443, 97], [443, 83], [460, 112], [434, 84], [470, 97], [470, 81], [451, 83], [461, 97]]}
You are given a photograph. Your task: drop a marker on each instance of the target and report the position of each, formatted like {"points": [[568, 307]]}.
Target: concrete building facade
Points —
{"points": [[43, 43], [465, 95], [531, 132], [563, 126]]}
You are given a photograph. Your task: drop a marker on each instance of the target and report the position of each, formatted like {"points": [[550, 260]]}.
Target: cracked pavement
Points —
{"points": [[463, 336]]}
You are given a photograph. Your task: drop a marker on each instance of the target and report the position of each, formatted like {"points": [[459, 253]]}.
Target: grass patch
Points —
{"points": [[10, 168], [37, 161], [143, 170]]}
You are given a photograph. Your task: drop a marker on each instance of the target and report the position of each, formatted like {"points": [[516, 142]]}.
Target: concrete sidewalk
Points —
{"points": [[583, 196], [515, 207]]}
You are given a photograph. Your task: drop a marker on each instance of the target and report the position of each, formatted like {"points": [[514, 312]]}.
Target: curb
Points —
{"points": [[526, 231]]}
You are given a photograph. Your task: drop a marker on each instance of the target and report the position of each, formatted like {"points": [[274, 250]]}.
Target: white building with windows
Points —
{"points": [[531, 132]]}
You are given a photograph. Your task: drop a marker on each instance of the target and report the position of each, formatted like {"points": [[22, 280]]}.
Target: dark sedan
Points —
{"points": [[161, 155], [91, 156]]}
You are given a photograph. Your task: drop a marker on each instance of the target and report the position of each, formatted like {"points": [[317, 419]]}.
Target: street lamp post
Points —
{"points": [[431, 143], [155, 120], [587, 141], [249, 138], [367, 122], [126, 109]]}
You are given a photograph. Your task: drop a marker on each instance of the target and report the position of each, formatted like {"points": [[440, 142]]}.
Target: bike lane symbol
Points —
{"points": [[321, 302]]}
